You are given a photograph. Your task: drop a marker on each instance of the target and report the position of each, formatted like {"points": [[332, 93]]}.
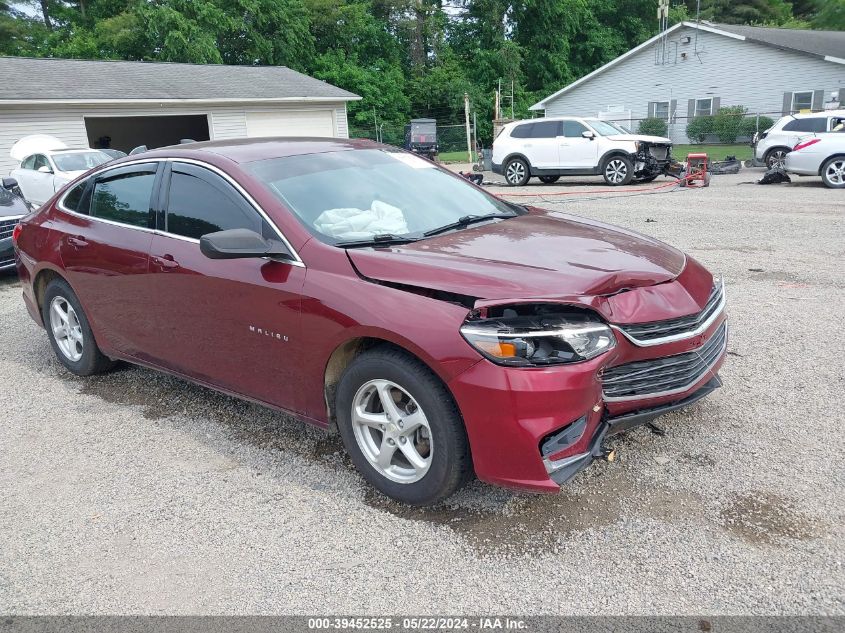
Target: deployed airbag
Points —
{"points": [[354, 224]]}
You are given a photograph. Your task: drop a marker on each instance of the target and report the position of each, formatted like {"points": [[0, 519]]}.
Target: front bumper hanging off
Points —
{"points": [[561, 471]]}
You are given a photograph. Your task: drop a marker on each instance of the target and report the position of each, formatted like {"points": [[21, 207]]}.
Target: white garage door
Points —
{"points": [[290, 123]]}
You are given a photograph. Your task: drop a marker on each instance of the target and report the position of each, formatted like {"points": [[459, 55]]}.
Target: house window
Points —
{"points": [[703, 107], [661, 110], [802, 101]]}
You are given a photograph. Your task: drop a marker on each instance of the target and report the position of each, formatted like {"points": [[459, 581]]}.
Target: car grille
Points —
{"points": [[676, 329], [663, 376], [7, 225], [660, 152], [6, 262]]}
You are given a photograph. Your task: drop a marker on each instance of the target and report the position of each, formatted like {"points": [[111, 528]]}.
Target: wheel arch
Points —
{"points": [[40, 282], [828, 159], [774, 148], [611, 154], [347, 351], [519, 155]]}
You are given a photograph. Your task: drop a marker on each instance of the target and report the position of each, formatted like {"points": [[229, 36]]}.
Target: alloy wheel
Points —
{"points": [[66, 329], [616, 171], [392, 431], [777, 159], [515, 172], [835, 172]]}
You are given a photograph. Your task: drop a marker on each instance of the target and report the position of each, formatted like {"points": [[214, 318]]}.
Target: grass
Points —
{"points": [[714, 152], [454, 157]]}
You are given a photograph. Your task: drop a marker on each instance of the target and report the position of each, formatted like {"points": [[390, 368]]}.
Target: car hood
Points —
{"points": [[540, 254], [660, 140], [11, 205]]}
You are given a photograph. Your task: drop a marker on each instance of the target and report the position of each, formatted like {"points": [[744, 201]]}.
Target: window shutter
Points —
{"points": [[652, 109], [691, 109], [841, 97], [818, 100], [717, 103], [787, 103], [673, 105]]}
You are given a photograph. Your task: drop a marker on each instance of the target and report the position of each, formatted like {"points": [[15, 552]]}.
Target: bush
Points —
{"points": [[749, 125], [700, 127], [653, 127], [728, 123]]}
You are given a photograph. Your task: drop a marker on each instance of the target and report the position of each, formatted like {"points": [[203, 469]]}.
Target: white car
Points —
{"points": [[47, 165], [573, 146], [820, 155], [772, 146]]}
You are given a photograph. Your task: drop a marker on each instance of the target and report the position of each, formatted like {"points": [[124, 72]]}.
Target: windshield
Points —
{"points": [[80, 161], [603, 128], [359, 194]]}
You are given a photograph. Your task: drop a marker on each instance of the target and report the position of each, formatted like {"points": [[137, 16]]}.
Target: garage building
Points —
{"points": [[123, 105]]}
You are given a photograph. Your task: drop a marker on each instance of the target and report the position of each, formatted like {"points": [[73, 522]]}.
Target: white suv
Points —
{"points": [[774, 144], [572, 146]]}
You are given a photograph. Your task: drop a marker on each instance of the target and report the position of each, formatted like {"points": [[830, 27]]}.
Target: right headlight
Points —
{"points": [[533, 341]]}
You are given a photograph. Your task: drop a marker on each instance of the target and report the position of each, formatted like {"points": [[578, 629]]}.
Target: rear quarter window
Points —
{"points": [[522, 131], [73, 200]]}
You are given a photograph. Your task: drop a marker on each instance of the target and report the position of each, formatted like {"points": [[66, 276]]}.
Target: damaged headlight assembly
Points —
{"points": [[518, 338]]}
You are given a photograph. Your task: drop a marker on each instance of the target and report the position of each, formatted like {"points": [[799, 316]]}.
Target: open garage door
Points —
{"points": [[290, 123], [128, 132]]}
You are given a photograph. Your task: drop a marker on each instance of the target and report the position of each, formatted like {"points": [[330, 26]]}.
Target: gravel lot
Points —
{"points": [[135, 492]]}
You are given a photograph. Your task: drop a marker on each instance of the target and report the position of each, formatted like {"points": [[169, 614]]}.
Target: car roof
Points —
{"points": [[246, 150], [823, 113]]}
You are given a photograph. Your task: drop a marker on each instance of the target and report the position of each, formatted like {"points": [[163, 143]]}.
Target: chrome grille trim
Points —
{"points": [[7, 225], [666, 376], [7, 262], [682, 328]]}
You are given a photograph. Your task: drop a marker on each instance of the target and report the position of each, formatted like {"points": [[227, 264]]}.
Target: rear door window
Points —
{"points": [[125, 197], [201, 202], [814, 124]]}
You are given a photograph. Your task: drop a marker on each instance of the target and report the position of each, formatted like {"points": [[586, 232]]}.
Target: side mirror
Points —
{"points": [[240, 244], [9, 183], [44, 169], [588, 134]]}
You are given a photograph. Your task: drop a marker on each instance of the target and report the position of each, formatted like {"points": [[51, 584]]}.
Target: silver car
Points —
{"points": [[820, 155]]}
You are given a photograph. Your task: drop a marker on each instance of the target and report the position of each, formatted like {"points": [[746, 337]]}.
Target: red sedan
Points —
{"points": [[442, 331]]}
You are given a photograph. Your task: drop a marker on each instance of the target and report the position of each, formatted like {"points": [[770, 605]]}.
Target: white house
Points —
{"points": [[694, 68], [126, 104]]}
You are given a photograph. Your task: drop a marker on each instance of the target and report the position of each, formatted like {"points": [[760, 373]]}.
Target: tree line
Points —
{"points": [[406, 58]]}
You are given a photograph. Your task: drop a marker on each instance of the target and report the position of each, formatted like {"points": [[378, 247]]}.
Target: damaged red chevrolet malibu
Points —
{"points": [[443, 331]]}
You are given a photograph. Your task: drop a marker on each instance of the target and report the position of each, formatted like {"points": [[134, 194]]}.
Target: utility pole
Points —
{"points": [[466, 118], [475, 134]]}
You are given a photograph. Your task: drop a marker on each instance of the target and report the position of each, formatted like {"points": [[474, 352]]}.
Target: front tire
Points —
{"points": [[833, 172], [776, 157], [402, 428], [517, 172], [70, 332], [647, 178], [618, 170]]}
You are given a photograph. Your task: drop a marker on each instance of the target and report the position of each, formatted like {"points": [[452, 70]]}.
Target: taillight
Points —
{"points": [[16, 232], [802, 145]]}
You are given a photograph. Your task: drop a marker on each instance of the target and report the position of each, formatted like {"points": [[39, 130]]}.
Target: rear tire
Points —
{"points": [[618, 170], [402, 428], [833, 172], [517, 172], [549, 179], [776, 157], [70, 332]]}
